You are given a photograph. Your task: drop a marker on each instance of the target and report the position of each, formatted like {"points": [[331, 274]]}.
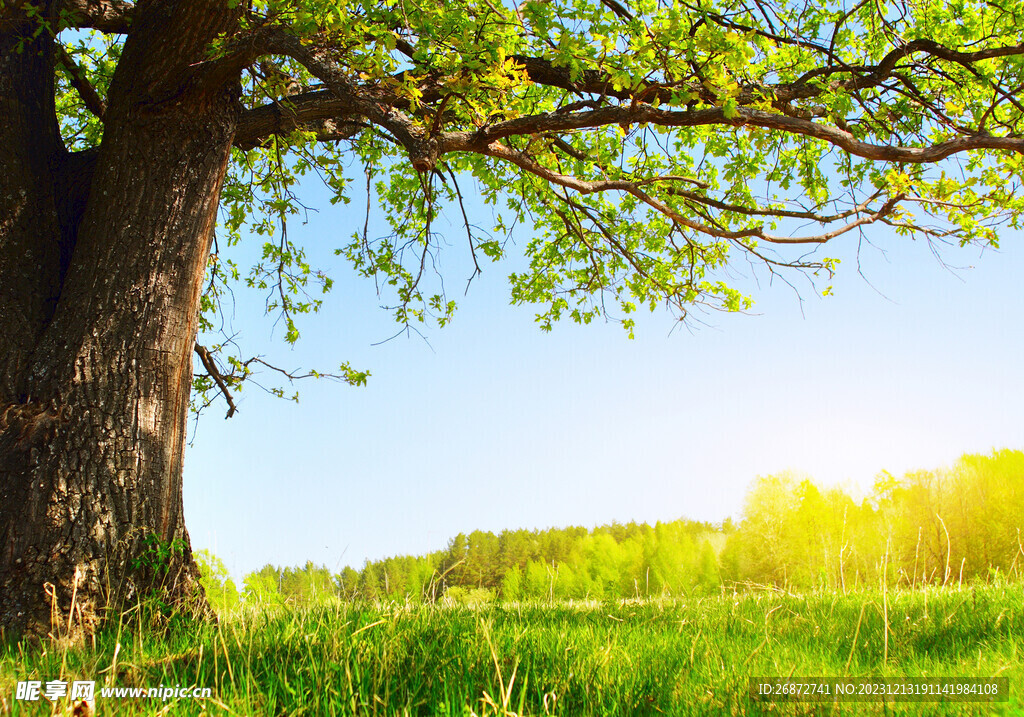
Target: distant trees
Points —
{"points": [[569, 563], [264, 586], [220, 588], [928, 527]]}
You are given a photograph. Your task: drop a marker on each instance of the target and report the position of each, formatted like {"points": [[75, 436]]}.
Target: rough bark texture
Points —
{"points": [[102, 256]]}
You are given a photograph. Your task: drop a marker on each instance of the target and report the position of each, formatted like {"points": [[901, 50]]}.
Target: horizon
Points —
{"points": [[857, 493]]}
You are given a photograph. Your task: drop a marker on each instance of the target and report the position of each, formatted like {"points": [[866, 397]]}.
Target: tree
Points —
{"points": [[645, 143], [348, 583], [216, 581], [708, 575], [481, 560], [512, 584], [765, 550], [307, 585], [989, 515], [537, 580], [263, 587], [370, 584]]}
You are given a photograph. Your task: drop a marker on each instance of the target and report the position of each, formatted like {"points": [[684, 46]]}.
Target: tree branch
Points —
{"points": [[528, 164], [111, 16], [480, 140], [353, 100], [317, 112], [348, 100], [93, 102], [211, 368]]}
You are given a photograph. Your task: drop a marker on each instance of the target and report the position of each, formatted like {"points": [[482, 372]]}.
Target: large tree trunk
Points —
{"points": [[102, 257]]}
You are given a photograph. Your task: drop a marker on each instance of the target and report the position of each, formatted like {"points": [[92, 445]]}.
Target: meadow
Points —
{"points": [[652, 657]]}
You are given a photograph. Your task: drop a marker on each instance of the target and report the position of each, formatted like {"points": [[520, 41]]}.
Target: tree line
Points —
{"points": [[929, 527]]}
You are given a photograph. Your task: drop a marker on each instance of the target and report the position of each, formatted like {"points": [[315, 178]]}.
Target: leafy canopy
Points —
{"points": [[645, 143]]}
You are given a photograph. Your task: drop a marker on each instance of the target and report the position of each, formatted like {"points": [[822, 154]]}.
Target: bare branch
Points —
{"points": [[469, 230], [211, 369]]}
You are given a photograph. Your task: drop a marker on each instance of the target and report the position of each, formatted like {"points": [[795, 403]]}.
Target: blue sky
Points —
{"points": [[494, 424]]}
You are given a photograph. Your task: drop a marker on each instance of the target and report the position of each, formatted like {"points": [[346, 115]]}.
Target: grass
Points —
{"points": [[676, 657]]}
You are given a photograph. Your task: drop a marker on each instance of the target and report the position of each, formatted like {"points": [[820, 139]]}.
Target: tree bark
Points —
{"points": [[102, 258]]}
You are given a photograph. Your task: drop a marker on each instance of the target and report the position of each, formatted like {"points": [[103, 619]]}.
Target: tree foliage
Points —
{"points": [[647, 144]]}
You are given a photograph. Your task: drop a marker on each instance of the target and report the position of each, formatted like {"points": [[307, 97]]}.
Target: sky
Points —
{"points": [[492, 424]]}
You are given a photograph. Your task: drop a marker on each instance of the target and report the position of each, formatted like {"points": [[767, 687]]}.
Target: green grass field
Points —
{"points": [[675, 657]]}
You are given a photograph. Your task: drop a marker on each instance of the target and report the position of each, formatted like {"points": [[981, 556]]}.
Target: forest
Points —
{"points": [[927, 528]]}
